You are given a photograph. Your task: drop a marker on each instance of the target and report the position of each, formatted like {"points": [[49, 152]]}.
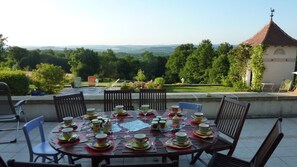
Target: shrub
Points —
{"points": [[48, 78], [17, 81], [159, 81]]}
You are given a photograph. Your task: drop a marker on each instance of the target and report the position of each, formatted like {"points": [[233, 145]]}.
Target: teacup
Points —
{"points": [[155, 124], [101, 138], [119, 109], [198, 116], [174, 109], [181, 137], [162, 124], [68, 121], [96, 125], [204, 128], [91, 112], [145, 107], [140, 139], [67, 133]]}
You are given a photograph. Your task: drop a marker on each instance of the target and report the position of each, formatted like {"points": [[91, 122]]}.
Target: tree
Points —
{"points": [[198, 64], [14, 55], [2, 49], [84, 62], [108, 64], [48, 78], [219, 70], [176, 62], [140, 75]]}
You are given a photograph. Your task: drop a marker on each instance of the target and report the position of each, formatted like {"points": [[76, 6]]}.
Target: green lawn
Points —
{"points": [[199, 89]]}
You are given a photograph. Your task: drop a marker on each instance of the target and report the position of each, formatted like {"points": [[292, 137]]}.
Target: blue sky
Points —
{"points": [[139, 22]]}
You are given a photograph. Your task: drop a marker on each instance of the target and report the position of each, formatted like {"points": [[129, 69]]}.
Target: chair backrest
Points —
{"points": [[192, 106], [167, 164], [230, 119], [70, 105], [13, 163], [29, 126], [6, 105], [156, 98], [2, 163], [117, 97], [91, 80], [269, 145], [285, 85]]}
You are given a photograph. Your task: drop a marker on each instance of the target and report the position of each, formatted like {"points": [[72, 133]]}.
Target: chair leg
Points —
{"points": [[56, 159], [196, 157], [70, 160]]}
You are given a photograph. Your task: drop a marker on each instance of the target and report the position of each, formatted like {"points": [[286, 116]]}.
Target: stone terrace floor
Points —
{"points": [[253, 134]]}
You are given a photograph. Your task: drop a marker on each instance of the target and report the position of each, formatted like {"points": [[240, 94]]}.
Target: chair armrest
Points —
{"points": [[19, 107], [19, 103]]}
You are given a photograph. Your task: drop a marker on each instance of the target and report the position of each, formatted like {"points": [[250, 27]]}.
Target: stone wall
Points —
{"points": [[262, 104]]}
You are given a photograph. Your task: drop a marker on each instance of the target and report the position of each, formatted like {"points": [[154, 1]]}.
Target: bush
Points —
{"points": [[48, 78], [17, 81], [159, 81]]}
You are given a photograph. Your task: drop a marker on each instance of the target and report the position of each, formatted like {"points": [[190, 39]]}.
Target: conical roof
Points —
{"points": [[271, 34]]}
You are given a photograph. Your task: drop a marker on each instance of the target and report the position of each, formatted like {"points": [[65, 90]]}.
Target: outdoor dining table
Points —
{"points": [[138, 124]]}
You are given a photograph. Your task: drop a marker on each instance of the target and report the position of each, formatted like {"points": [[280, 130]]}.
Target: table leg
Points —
{"points": [[95, 161]]}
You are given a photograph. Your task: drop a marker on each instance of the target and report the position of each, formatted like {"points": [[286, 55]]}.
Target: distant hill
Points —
{"points": [[133, 49], [157, 50]]}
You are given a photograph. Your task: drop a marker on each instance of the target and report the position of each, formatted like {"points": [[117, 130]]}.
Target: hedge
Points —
{"points": [[17, 81]]}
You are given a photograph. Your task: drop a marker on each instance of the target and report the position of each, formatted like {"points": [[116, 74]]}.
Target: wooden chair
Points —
{"points": [[8, 111], [229, 122], [156, 98], [13, 163], [70, 105], [260, 158], [166, 164], [2, 163], [117, 97], [43, 149]]}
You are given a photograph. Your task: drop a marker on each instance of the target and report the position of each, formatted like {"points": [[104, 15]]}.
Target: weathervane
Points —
{"points": [[271, 10]]}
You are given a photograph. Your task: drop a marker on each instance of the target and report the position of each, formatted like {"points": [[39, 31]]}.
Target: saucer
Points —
{"points": [[149, 112], [74, 138], [73, 125], [133, 146], [179, 113], [144, 145], [186, 144], [172, 143], [209, 134], [100, 146], [93, 146], [204, 120], [123, 113]]}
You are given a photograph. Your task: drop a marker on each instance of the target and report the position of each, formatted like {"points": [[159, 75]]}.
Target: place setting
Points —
{"points": [[198, 118], [67, 123], [91, 114], [68, 136], [145, 110], [175, 111], [179, 141], [101, 143], [204, 131], [139, 142], [119, 112]]}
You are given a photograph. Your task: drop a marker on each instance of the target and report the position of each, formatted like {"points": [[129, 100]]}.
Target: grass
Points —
{"points": [[198, 88]]}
